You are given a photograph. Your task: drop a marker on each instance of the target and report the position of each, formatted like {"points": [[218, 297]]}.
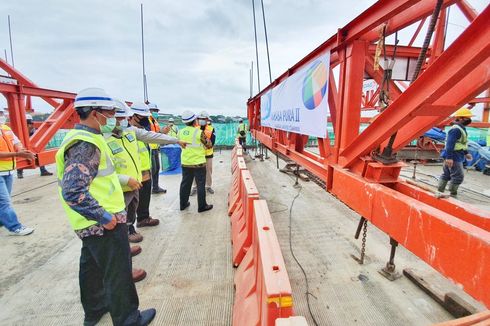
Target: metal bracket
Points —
{"points": [[389, 270]]}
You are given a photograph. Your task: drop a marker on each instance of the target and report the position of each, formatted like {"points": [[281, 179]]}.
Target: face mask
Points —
{"points": [[144, 122], [202, 122], [123, 124], [154, 115], [109, 126], [208, 123], [466, 122], [3, 120]]}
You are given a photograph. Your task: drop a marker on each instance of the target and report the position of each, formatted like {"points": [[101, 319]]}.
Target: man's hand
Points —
{"points": [[26, 154], [166, 130], [112, 224], [182, 144], [469, 157], [134, 184], [449, 163]]}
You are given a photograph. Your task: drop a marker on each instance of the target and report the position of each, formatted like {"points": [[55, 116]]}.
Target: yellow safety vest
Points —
{"points": [[105, 187], [145, 158], [126, 156], [488, 138], [242, 127], [193, 153], [7, 145], [462, 143], [173, 131], [208, 131]]}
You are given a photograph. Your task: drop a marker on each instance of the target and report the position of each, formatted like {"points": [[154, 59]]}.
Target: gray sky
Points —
{"points": [[198, 53]]}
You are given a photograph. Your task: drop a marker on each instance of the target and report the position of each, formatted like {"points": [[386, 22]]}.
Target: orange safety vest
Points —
{"points": [[208, 131], [155, 127], [7, 145]]}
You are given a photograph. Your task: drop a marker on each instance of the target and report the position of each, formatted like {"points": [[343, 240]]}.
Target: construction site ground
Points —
{"points": [[188, 257]]}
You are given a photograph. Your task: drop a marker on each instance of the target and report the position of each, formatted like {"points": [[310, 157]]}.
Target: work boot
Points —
{"points": [[138, 274], [193, 192], [46, 173], [453, 190], [148, 222], [135, 250], [205, 208], [441, 187], [134, 236], [20, 175], [159, 191], [185, 206], [146, 316], [93, 320], [210, 190]]}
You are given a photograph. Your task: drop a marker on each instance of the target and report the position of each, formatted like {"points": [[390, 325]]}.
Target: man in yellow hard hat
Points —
{"points": [[455, 152]]}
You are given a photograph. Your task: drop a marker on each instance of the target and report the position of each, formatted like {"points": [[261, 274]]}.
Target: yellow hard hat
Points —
{"points": [[463, 113]]}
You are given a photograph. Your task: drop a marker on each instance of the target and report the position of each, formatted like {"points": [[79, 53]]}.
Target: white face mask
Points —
{"points": [[3, 119], [123, 123]]}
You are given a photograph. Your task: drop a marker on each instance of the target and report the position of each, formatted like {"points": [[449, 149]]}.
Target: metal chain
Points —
{"points": [[363, 247]]}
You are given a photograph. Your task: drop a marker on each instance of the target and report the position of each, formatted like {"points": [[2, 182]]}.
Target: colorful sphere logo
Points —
{"points": [[315, 85], [266, 106]]}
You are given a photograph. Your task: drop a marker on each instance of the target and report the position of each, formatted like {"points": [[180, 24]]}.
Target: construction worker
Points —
{"points": [[242, 134], [173, 130], [32, 130], [140, 124], [455, 152], [155, 151], [10, 149], [94, 202], [208, 130], [193, 159]]}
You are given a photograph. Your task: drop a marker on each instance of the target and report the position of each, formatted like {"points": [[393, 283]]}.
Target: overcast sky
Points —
{"points": [[198, 53]]}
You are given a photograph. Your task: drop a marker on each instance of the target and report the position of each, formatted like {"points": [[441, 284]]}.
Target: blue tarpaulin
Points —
{"points": [[170, 159]]}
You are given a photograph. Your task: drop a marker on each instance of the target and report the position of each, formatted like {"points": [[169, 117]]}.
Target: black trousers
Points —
{"points": [[105, 277], [188, 175], [243, 142], [131, 199], [143, 210], [155, 168]]}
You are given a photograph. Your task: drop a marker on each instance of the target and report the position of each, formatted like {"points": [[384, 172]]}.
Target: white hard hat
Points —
{"points": [[28, 117], [188, 116], [122, 109], [94, 97], [171, 120], [153, 106], [141, 109], [203, 115]]}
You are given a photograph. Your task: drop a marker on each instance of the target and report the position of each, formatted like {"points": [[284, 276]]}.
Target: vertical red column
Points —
{"points": [[350, 94]]}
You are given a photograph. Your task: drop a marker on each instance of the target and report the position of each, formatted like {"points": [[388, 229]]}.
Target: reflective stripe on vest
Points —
{"points": [[462, 142], [7, 145], [208, 131], [105, 187], [193, 153], [126, 156], [155, 127], [145, 159]]}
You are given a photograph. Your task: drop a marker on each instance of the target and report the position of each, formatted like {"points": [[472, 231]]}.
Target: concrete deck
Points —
{"points": [[188, 259]]}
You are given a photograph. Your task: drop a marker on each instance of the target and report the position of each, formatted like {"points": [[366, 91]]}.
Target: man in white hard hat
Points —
{"points": [[173, 130], [32, 130], [139, 121], [10, 149], [193, 160], [155, 151], [93, 199], [210, 134]]}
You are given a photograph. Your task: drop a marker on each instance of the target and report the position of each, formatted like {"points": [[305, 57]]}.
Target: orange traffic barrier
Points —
{"points": [[236, 152], [234, 194], [263, 290], [482, 318], [242, 217]]}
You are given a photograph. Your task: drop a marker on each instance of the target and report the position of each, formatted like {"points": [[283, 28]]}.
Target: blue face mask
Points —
{"points": [[123, 124]]}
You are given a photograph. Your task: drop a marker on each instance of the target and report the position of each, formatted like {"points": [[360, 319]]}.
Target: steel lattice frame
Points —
{"points": [[452, 237]]}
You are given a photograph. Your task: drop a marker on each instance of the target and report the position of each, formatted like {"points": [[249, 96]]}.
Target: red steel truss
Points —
{"points": [[18, 97], [452, 237]]}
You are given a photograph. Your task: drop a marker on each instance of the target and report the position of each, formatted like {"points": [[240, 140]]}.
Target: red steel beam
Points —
{"points": [[462, 58], [468, 11]]}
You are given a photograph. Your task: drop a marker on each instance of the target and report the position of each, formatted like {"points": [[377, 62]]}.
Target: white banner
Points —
{"points": [[299, 104]]}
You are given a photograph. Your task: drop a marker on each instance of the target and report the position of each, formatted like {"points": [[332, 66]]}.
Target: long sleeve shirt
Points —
{"points": [[453, 135], [82, 161], [150, 137]]}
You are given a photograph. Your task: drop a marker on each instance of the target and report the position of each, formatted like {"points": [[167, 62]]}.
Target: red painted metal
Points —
{"points": [[436, 230]]}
